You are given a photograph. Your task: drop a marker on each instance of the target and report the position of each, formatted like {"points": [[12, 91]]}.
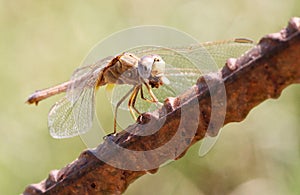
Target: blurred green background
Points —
{"points": [[42, 42]]}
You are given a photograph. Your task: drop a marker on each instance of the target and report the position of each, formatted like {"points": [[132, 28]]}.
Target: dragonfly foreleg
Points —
{"points": [[153, 97], [144, 98]]}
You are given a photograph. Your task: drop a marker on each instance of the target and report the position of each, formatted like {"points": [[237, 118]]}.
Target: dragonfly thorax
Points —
{"points": [[121, 70]]}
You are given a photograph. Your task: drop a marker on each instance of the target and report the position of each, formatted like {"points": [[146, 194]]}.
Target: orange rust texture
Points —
{"points": [[260, 74]]}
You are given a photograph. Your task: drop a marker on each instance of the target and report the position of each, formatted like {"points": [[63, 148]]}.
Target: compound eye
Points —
{"points": [[145, 66], [158, 68]]}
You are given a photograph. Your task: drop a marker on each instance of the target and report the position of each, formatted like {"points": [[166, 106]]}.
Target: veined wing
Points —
{"points": [[183, 68], [185, 64], [68, 119], [84, 77], [203, 53], [220, 51], [175, 62], [217, 49], [73, 114]]}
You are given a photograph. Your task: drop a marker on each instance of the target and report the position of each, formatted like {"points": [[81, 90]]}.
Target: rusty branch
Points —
{"points": [[259, 74]]}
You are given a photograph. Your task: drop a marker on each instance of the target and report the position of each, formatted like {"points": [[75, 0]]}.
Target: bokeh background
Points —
{"points": [[42, 42]]}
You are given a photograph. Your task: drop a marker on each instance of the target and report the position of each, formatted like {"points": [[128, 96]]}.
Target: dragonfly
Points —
{"points": [[73, 114], [162, 71]]}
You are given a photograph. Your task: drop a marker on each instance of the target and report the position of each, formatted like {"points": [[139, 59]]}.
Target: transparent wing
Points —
{"points": [[183, 68], [73, 114], [85, 76], [219, 51], [79, 72], [68, 119], [176, 64], [187, 63]]}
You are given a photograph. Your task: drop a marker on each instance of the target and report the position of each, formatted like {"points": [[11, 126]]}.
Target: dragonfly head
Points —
{"points": [[152, 66]]}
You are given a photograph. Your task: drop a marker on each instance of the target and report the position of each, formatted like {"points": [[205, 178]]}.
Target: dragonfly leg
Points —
{"points": [[132, 99], [118, 105], [144, 98], [153, 97]]}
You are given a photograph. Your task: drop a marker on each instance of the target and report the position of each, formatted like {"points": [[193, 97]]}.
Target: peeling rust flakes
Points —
{"points": [[152, 171], [171, 104], [144, 118], [231, 64]]}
